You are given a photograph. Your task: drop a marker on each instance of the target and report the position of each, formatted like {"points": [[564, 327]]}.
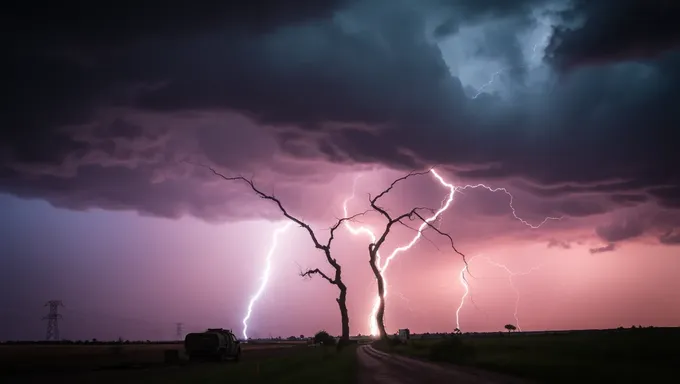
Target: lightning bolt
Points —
{"points": [[265, 277], [510, 204], [512, 274], [405, 299], [446, 204], [495, 75], [466, 286], [355, 231], [486, 85]]}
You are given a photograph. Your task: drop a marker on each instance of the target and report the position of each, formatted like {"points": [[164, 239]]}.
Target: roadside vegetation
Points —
{"points": [[261, 363], [622, 355]]}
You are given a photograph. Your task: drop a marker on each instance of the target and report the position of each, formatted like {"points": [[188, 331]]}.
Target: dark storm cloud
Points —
{"points": [[671, 237], [71, 57], [554, 243], [606, 248], [621, 230], [615, 30], [668, 196], [460, 12], [75, 23], [629, 199], [370, 71]]}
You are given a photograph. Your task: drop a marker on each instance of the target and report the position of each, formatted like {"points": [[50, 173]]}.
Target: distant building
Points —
{"points": [[404, 334]]}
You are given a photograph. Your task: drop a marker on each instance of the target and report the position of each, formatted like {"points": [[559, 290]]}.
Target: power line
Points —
{"points": [[52, 318]]}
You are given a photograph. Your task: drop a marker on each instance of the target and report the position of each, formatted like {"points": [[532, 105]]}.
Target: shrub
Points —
{"points": [[322, 337], [453, 350]]}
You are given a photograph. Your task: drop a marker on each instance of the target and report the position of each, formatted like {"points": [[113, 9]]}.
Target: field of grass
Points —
{"points": [[260, 363], [630, 355]]}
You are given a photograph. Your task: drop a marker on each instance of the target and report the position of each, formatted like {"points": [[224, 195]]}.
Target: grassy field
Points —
{"points": [[630, 355], [260, 363]]}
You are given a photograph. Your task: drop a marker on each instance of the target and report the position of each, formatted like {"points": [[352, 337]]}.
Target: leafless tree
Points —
{"points": [[336, 279], [374, 248]]}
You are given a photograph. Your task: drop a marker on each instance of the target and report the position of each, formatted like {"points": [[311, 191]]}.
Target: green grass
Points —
{"points": [[288, 365], [636, 355]]}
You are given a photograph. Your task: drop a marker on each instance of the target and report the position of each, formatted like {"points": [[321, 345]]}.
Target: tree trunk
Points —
{"points": [[380, 314], [344, 314]]}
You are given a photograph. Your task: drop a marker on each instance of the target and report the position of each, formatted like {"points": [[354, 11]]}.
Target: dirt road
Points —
{"points": [[377, 367]]}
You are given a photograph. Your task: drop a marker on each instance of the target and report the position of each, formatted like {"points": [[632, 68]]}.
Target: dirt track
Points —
{"points": [[376, 367]]}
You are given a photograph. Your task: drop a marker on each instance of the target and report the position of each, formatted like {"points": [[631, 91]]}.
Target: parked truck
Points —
{"points": [[214, 344]]}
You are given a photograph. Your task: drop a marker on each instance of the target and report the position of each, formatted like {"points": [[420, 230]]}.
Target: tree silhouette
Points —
{"points": [[374, 248], [336, 279], [324, 338], [510, 327], [456, 331]]}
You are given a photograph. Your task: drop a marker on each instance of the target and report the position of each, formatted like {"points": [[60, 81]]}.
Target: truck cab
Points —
{"points": [[214, 344]]}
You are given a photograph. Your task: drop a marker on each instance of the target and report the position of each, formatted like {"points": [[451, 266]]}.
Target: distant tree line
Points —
{"points": [[88, 342]]}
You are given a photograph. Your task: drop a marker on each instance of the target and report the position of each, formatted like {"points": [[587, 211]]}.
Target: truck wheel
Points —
{"points": [[238, 355]]}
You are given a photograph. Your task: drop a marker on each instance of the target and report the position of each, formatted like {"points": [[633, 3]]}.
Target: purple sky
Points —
{"points": [[570, 105]]}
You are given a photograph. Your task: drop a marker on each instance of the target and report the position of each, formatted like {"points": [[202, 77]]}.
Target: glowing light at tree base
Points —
{"points": [[372, 321]]}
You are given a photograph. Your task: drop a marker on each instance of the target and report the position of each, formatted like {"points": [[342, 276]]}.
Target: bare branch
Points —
{"points": [[409, 215], [339, 222], [375, 199], [422, 234], [324, 247], [263, 195], [317, 271], [453, 246], [395, 182]]}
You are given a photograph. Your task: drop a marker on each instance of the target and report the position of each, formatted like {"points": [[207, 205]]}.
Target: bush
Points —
{"points": [[322, 337], [452, 350]]}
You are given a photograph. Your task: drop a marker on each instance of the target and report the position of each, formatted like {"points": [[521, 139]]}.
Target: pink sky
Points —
{"points": [[121, 274], [103, 205]]}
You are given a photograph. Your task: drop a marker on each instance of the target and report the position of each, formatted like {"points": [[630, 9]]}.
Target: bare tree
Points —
{"points": [[336, 279], [374, 248]]}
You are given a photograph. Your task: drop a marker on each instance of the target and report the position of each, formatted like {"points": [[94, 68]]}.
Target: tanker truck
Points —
{"points": [[214, 344]]}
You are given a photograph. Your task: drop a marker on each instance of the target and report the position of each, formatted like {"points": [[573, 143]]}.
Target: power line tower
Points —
{"points": [[180, 330], [52, 318]]}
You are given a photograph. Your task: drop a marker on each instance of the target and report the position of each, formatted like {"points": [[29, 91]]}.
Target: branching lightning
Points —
{"points": [[496, 74], [445, 205], [372, 320], [512, 274], [265, 276], [486, 85], [510, 204], [466, 287]]}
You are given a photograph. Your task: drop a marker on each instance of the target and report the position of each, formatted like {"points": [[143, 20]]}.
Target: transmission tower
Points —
{"points": [[52, 318], [180, 330]]}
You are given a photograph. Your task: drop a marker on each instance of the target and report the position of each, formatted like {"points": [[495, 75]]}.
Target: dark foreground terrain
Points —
{"points": [[649, 355], [262, 363], [620, 356]]}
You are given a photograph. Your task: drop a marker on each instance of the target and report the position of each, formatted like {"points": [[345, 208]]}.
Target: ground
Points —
{"points": [[630, 355], [275, 363], [377, 367], [625, 355]]}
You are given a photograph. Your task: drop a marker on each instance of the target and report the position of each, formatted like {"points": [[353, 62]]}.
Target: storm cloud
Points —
{"points": [[605, 248], [99, 118]]}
